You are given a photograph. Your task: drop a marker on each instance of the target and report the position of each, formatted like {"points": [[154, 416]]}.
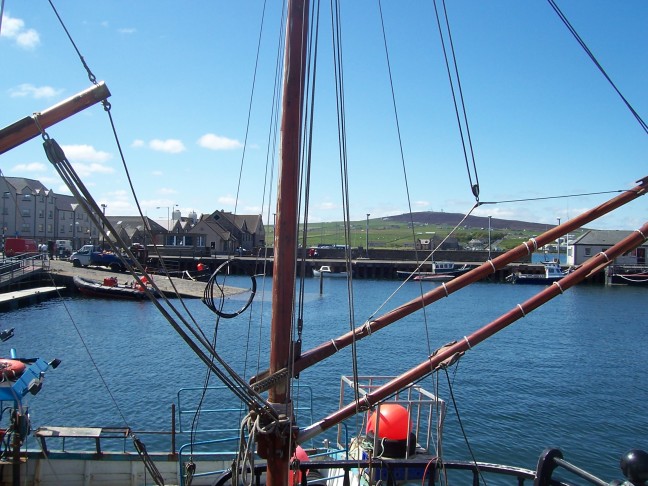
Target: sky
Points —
{"points": [[192, 106]]}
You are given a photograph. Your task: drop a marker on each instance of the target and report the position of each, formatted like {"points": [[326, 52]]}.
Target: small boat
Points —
{"points": [[637, 279], [110, 288], [552, 273], [327, 271], [441, 271]]}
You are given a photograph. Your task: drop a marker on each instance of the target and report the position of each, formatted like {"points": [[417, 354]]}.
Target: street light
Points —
{"points": [[74, 223], [103, 226], [489, 237], [35, 193], [558, 244], [168, 220], [16, 233], [367, 235]]}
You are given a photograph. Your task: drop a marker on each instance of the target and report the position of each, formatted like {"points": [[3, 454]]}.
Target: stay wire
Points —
{"points": [[336, 30], [578, 38], [231, 379], [462, 124], [505, 201], [271, 151], [239, 387], [403, 164]]}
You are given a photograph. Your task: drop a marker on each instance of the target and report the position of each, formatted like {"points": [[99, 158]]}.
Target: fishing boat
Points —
{"points": [[389, 428], [441, 271], [110, 288], [552, 273]]}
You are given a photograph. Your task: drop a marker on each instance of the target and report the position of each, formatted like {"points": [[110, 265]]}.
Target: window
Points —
{"points": [[25, 213], [588, 251]]}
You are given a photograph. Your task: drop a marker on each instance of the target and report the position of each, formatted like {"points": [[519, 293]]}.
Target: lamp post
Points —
{"points": [[16, 233], [35, 194], [74, 223], [367, 235], [46, 193], [489, 237], [558, 246], [168, 222], [103, 226]]}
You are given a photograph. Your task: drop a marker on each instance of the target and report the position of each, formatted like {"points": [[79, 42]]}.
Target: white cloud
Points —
{"points": [[421, 204], [14, 29], [85, 153], [170, 145], [157, 173], [215, 142], [31, 167], [166, 190], [127, 30], [138, 143], [36, 92], [227, 200], [86, 170]]}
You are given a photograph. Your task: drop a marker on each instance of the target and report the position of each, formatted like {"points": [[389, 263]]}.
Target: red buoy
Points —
{"points": [[200, 267], [393, 423], [303, 457], [11, 369]]}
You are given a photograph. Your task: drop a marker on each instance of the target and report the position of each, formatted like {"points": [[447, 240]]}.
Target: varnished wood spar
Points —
{"points": [[454, 350], [26, 129], [327, 349]]}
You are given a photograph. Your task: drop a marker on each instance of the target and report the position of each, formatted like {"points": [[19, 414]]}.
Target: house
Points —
{"points": [[30, 210], [595, 241], [226, 232], [132, 229]]}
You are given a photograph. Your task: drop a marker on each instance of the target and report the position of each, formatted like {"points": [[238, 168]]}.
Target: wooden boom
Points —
{"points": [[27, 128], [451, 352]]}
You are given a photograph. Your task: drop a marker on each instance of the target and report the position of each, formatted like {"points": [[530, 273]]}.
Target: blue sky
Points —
{"points": [[543, 120]]}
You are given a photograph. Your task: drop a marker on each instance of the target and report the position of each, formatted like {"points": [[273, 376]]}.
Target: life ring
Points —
{"points": [[11, 369]]}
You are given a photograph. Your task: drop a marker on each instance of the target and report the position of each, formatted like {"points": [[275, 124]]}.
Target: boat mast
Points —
{"points": [[276, 446]]}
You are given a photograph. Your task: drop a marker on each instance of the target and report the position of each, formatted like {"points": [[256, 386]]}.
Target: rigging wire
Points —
{"points": [[57, 157], [336, 30], [462, 118], [578, 38]]}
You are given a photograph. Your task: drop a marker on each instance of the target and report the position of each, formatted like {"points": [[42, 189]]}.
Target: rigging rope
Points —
{"points": [[598, 65], [57, 157], [462, 118]]}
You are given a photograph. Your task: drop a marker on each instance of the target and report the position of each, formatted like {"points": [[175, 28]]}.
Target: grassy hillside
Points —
{"points": [[398, 232]]}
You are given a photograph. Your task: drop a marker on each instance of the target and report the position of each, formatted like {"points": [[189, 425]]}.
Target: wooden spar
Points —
{"points": [[329, 348], [26, 129], [451, 352], [275, 446]]}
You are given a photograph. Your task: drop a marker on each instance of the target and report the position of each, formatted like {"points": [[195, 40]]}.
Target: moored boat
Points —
{"points": [[396, 418], [110, 288], [328, 272], [552, 272]]}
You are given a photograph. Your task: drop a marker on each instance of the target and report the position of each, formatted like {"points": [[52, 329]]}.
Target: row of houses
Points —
{"points": [[31, 210]]}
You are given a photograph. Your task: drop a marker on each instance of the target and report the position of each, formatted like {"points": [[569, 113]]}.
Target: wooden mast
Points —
{"points": [[276, 446]]}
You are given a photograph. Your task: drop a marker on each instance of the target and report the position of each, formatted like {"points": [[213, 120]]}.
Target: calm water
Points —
{"points": [[570, 375]]}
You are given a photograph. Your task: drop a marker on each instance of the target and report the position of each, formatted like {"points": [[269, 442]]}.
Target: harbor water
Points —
{"points": [[569, 375]]}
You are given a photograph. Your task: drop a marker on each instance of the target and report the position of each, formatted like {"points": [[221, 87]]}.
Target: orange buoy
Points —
{"points": [[11, 369], [393, 423], [303, 457]]}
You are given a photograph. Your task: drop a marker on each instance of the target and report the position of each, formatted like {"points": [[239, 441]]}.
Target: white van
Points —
{"points": [[63, 248]]}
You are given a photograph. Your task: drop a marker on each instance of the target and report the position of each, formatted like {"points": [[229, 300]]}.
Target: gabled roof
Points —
{"points": [[207, 221], [601, 237], [248, 223], [132, 223]]}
